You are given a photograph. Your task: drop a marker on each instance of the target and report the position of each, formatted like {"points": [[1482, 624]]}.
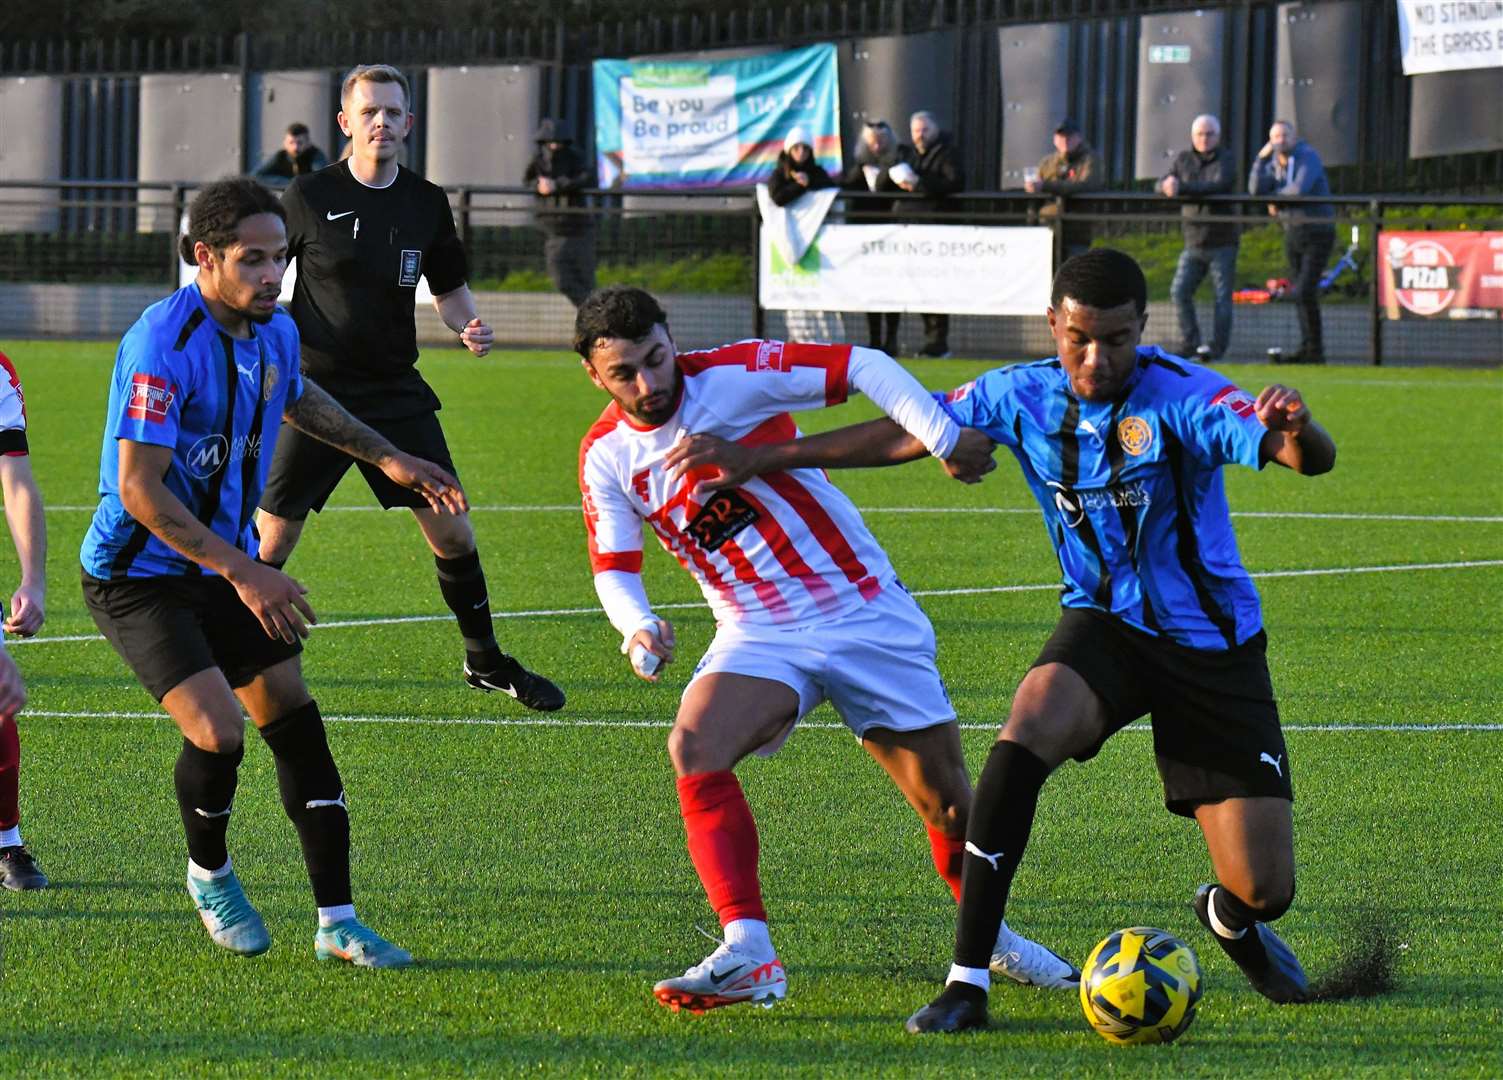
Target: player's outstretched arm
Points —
{"points": [[317, 414], [872, 444], [275, 599], [457, 309], [1294, 439], [28, 530]]}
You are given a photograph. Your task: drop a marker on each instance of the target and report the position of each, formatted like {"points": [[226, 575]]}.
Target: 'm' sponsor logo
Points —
{"points": [[209, 454]]}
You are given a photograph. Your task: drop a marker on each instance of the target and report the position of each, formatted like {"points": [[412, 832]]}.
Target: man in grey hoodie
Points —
{"points": [[1287, 165]]}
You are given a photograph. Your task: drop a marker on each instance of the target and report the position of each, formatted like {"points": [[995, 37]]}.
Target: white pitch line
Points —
{"points": [[982, 590], [1293, 515], [817, 725]]}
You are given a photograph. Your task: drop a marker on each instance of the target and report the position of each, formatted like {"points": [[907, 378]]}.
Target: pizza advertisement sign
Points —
{"points": [[1441, 275]]}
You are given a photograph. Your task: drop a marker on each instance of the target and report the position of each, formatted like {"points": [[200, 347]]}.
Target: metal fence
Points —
{"points": [[80, 259], [1103, 62]]}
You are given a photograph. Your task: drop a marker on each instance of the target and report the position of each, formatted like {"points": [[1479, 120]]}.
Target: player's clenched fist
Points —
{"points": [[971, 459], [477, 337], [650, 648], [1282, 409]]}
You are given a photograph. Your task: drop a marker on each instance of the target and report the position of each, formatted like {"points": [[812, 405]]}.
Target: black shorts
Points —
{"points": [[1216, 731], [305, 472], [169, 628]]}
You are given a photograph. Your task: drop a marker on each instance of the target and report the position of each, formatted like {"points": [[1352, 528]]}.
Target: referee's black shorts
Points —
{"points": [[169, 628], [1216, 731], [305, 472]]}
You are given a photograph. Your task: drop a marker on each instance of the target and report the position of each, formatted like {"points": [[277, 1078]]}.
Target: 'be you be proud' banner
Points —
{"points": [[673, 124]]}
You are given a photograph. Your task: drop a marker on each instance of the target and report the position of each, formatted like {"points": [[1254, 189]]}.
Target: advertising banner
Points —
{"points": [[676, 124], [945, 269], [1450, 35], [1441, 275]]}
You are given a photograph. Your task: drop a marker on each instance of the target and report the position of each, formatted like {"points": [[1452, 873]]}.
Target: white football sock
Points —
{"points": [[979, 977], [10, 837], [328, 916], [196, 871], [749, 936]]}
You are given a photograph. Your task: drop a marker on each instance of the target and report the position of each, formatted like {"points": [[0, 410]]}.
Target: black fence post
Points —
{"points": [[1058, 225], [466, 198], [759, 317], [173, 258], [1379, 268]]}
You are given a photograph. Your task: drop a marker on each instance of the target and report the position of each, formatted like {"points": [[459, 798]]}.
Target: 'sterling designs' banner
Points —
{"points": [[691, 124], [1450, 35], [1441, 275], [957, 269]]}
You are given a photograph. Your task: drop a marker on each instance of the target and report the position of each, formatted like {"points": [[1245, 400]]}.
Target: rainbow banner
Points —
{"points": [[675, 124]]}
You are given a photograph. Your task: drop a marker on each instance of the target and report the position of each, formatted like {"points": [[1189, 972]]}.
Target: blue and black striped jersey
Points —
{"points": [[1131, 489], [181, 381]]}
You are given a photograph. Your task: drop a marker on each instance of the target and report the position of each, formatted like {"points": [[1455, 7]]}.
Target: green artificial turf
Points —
{"points": [[536, 866]]}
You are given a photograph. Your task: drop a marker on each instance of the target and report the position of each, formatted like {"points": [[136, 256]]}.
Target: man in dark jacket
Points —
{"points": [[1070, 170], [938, 174], [558, 175], [876, 153], [1287, 165], [1210, 246], [297, 156]]}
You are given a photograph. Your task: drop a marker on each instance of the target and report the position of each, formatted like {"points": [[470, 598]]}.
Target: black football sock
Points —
{"points": [[462, 583], [313, 797], [205, 783], [1233, 915], [1001, 819]]}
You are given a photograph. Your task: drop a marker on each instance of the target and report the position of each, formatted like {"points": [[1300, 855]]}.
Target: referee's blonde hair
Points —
{"points": [[378, 73]]}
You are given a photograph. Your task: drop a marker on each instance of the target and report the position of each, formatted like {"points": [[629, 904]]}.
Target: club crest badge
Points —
{"points": [[1135, 434]]}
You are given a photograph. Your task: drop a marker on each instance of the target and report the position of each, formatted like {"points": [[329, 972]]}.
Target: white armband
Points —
{"points": [[897, 393]]}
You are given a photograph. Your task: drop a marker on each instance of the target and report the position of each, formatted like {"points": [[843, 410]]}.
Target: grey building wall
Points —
{"points": [[31, 110], [1181, 68], [1034, 67], [1318, 79], [192, 130]]}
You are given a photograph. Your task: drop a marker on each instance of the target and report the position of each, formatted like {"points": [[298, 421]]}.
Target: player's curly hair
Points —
{"points": [[219, 208], [1101, 278], [617, 311]]}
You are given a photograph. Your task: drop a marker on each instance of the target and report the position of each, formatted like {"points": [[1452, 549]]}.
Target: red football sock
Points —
{"points": [[722, 843], [10, 773], [949, 855]]}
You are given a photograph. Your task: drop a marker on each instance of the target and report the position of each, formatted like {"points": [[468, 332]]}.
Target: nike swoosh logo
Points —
{"points": [[332, 216], [719, 978]]}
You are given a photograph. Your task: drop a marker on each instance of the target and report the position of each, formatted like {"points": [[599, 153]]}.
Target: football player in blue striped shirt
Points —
{"points": [[202, 383], [1123, 447]]}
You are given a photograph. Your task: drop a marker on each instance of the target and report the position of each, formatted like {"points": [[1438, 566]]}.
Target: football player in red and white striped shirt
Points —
{"points": [[28, 530], [807, 606]]}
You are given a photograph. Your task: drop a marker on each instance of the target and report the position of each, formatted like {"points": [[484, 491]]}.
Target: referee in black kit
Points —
{"points": [[363, 232]]}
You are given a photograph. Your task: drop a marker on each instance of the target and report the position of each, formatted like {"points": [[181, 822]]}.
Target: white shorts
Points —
{"points": [[875, 665]]}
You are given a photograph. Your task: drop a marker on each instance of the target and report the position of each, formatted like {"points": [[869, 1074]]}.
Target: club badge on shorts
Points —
{"points": [[412, 267]]}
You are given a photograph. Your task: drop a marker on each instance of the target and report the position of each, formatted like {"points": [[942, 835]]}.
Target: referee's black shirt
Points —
{"points": [[360, 252]]}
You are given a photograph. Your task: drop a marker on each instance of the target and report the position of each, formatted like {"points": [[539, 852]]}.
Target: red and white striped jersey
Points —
{"points": [[784, 549], [12, 410]]}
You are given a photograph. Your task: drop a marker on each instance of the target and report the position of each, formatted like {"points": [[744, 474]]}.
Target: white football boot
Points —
{"points": [[727, 976], [1031, 964]]}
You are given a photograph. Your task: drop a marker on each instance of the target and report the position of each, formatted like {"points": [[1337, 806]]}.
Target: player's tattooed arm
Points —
{"points": [[318, 415], [275, 599]]}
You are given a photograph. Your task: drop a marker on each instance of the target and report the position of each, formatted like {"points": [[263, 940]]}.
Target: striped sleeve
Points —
{"points": [[613, 531]]}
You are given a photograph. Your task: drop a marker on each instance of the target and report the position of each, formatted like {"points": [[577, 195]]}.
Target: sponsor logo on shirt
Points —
{"points": [[1135, 434], [1238, 400], [769, 356], [411, 267], [960, 393], [149, 398], [722, 517], [209, 454], [1073, 506]]}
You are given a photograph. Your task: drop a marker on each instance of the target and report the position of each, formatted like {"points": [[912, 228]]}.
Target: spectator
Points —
{"points": [[878, 151], [797, 172], [1287, 165], [297, 156], [1206, 169], [1068, 171], [558, 175], [938, 174]]}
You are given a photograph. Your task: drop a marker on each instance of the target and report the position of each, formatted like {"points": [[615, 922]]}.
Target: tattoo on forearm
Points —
{"points": [[317, 414], [173, 530]]}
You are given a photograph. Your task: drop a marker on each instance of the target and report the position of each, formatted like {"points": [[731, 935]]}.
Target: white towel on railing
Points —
{"points": [[793, 227]]}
